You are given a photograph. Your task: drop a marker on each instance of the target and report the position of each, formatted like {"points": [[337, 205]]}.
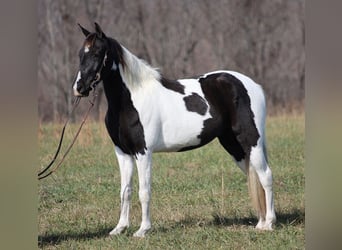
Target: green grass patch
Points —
{"points": [[199, 198]]}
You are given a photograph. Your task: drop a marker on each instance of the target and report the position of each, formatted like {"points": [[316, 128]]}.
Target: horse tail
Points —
{"points": [[256, 191]]}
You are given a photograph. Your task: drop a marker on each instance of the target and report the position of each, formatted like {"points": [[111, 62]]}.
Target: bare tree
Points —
{"points": [[263, 39]]}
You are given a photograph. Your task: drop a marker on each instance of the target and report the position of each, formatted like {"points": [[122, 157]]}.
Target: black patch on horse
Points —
{"points": [[122, 119], [232, 117], [195, 103], [173, 85], [116, 52]]}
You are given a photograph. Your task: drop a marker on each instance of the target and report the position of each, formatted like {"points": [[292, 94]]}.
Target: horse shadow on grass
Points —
{"points": [[293, 218], [57, 238]]}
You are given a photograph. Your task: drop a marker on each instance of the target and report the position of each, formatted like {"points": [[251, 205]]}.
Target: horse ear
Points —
{"points": [[99, 31], [84, 31]]}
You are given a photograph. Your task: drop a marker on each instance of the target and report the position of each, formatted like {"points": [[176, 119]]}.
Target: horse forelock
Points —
{"points": [[90, 40]]}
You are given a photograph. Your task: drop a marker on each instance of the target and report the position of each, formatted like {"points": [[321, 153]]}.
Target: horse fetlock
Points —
{"points": [[142, 231], [270, 221], [265, 225], [126, 194]]}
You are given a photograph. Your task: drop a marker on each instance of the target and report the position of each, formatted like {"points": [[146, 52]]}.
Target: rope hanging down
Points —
{"points": [[42, 174]]}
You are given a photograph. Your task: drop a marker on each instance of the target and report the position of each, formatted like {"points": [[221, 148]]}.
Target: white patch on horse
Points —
{"points": [[86, 49], [114, 67], [76, 93]]}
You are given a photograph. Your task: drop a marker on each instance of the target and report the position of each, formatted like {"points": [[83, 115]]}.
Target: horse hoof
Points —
{"points": [[264, 226], [117, 231], [141, 233]]}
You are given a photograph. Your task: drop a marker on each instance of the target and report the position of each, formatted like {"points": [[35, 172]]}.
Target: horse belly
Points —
{"points": [[179, 129], [179, 135]]}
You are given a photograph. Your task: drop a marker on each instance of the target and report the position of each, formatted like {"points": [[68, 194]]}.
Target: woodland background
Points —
{"points": [[263, 39]]}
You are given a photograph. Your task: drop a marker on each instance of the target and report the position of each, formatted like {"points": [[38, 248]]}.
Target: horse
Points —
{"points": [[149, 113]]}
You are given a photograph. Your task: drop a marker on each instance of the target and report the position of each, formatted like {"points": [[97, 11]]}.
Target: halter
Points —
{"points": [[98, 74]]}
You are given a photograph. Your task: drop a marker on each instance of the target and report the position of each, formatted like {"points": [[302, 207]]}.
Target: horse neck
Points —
{"points": [[112, 82], [113, 89], [117, 93], [132, 75]]}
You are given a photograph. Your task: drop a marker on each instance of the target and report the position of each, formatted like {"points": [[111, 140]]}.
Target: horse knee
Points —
{"points": [[126, 193]]}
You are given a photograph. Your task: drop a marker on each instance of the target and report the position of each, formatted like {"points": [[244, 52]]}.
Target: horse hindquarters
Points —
{"points": [[259, 177], [244, 138]]}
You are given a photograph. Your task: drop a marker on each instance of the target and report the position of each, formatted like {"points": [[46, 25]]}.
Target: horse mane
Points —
{"points": [[136, 72]]}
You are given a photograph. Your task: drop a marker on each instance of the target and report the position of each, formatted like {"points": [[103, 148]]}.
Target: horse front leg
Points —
{"points": [[144, 166], [126, 165]]}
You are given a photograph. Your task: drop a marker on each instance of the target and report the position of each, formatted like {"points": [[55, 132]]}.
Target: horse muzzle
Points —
{"points": [[79, 91], [78, 94]]}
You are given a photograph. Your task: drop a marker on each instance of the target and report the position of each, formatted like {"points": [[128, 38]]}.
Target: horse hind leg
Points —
{"points": [[260, 186], [259, 177]]}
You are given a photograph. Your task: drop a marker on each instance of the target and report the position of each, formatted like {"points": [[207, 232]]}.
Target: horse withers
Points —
{"points": [[149, 113]]}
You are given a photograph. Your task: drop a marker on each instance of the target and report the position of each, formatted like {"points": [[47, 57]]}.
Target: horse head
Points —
{"points": [[93, 56]]}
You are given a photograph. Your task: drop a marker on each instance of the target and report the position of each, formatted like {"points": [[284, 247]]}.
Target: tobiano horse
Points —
{"points": [[149, 113]]}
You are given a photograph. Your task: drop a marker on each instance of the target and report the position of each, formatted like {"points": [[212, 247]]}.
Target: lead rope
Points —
{"points": [[76, 102]]}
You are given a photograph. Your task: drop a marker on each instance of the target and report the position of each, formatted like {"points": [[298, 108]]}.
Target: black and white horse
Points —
{"points": [[148, 113]]}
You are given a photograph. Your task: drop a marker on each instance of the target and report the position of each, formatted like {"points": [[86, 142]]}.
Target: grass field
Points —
{"points": [[199, 198]]}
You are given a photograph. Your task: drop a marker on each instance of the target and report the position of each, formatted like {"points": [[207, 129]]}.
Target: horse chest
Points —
{"points": [[126, 130]]}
